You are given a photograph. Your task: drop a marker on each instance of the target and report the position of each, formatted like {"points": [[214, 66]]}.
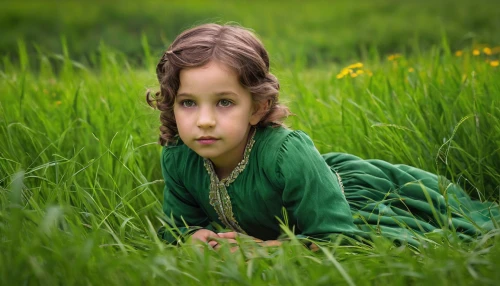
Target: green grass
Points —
{"points": [[81, 183], [80, 179]]}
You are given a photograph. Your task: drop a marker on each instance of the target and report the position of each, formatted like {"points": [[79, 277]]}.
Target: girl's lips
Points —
{"points": [[206, 141]]}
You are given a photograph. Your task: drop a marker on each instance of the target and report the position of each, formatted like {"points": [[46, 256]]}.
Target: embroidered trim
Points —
{"points": [[218, 196], [340, 181]]}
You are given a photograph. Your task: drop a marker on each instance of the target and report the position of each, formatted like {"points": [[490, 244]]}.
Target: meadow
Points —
{"points": [[80, 180]]}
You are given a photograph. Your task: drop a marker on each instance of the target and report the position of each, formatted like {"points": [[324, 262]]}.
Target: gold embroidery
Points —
{"points": [[340, 181], [219, 198]]}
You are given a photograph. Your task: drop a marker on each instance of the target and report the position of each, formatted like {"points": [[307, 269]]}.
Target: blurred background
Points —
{"points": [[319, 31]]}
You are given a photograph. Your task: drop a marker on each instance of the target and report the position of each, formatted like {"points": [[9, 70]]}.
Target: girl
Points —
{"points": [[230, 164]]}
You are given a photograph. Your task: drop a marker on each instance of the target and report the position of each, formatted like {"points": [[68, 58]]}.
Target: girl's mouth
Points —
{"points": [[206, 140]]}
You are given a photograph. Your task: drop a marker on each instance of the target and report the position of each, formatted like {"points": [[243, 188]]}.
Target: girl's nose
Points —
{"points": [[206, 118]]}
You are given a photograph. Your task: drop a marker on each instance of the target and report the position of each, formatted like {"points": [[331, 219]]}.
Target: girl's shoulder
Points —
{"points": [[276, 142], [278, 137], [282, 151]]}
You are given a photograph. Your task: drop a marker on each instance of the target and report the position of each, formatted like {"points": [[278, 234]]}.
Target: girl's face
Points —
{"points": [[214, 113]]}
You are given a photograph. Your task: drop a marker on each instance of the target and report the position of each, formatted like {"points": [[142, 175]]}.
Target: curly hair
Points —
{"points": [[231, 45]]}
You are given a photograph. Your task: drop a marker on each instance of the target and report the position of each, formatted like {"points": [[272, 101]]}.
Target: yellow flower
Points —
{"points": [[459, 53], [343, 73], [393, 57], [411, 70], [494, 63], [353, 66], [476, 52], [58, 102], [353, 70], [487, 51]]}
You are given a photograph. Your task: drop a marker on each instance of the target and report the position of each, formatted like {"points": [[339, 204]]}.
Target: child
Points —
{"points": [[229, 163]]}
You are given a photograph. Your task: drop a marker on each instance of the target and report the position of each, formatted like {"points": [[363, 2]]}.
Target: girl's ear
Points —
{"points": [[260, 110]]}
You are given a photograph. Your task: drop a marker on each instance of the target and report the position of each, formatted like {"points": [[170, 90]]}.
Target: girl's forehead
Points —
{"points": [[212, 65], [214, 77], [211, 71]]}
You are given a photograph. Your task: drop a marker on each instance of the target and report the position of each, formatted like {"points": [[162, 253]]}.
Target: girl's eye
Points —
{"points": [[225, 103], [187, 103]]}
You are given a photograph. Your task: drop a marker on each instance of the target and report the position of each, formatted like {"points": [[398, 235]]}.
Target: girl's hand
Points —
{"points": [[205, 236], [231, 237], [271, 243]]}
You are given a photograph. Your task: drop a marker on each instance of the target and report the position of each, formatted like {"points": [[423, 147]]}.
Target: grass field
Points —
{"points": [[80, 179]]}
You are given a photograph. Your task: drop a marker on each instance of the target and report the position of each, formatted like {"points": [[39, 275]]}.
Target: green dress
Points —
{"points": [[283, 178]]}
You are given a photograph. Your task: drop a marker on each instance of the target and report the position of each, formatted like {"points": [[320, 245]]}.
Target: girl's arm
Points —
{"points": [[311, 194], [184, 216]]}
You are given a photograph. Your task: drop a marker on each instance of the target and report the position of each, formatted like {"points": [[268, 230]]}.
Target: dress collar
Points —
{"points": [[218, 195], [239, 168]]}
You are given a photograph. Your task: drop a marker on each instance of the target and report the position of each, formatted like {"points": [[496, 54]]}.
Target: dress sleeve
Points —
{"points": [[183, 214], [311, 194]]}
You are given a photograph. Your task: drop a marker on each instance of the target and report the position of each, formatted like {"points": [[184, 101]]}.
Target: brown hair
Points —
{"points": [[231, 45]]}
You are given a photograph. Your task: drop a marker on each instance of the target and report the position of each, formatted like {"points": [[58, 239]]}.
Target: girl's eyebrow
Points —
{"points": [[183, 94], [222, 93]]}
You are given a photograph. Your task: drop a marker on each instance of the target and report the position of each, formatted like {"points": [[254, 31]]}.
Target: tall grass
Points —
{"points": [[81, 184], [438, 111]]}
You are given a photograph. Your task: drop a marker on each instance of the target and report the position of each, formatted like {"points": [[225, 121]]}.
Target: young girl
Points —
{"points": [[231, 167]]}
